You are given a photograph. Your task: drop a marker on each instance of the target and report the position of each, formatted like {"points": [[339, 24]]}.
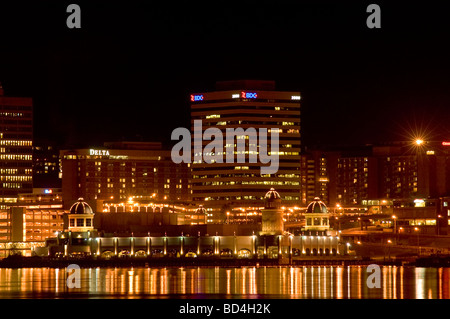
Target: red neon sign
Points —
{"points": [[196, 97], [446, 143], [249, 95]]}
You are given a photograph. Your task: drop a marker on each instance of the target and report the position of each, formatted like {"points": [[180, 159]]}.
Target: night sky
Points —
{"points": [[127, 73]]}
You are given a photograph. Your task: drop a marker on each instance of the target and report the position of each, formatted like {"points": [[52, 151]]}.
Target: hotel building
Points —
{"points": [[354, 176], [123, 170], [16, 147], [314, 172], [246, 104]]}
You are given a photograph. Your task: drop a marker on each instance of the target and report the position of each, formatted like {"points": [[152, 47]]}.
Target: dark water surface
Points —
{"points": [[349, 282]]}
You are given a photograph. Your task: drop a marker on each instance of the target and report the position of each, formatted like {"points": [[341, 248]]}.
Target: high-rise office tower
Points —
{"points": [[46, 166], [245, 105], [16, 147]]}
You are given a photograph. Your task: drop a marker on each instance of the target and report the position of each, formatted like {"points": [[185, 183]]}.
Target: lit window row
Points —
{"points": [[12, 185], [15, 178], [11, 171], [11, 114], [16, 143], [16, 157], [283, 153]]}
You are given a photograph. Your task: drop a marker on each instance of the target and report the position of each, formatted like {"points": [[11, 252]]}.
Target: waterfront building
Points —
{"points": [[318, 239], [86, 239], [79, 231], [35, 217], [27, 224], [140, 216], [420, 216], [246, 104], [16, 147], [123, 170]]}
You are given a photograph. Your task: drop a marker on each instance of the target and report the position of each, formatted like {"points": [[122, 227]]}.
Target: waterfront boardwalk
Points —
{"points": [[31, 262]]}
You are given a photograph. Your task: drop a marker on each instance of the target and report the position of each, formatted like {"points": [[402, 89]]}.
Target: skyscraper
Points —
{"points": [[16, 147], [247, 104]]}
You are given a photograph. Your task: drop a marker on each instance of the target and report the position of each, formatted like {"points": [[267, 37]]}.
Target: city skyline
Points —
{"points": [[225, 150], [130, 69]]}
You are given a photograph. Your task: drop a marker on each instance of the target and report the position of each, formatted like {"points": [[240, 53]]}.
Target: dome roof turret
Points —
{"points": [[272, 194], [272, 199], [200, 210], [81, 207], [317, 206]]}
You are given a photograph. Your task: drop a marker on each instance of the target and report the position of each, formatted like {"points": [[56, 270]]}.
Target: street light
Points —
{"points": [[438, 223], [395, 223], [389, 248], [418, 234]]}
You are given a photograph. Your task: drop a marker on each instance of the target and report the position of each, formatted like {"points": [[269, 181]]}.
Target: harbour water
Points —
{"points": [[349, 282]]}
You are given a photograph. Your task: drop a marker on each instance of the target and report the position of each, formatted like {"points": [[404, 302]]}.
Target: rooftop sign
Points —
{"points": [[249, 95], [98, 152]]}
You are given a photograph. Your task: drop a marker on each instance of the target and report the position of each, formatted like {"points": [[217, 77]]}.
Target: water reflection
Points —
{"points": [[246, 282]]}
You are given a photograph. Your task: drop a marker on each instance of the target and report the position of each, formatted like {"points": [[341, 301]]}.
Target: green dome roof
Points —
{"points": [[317, 206]]}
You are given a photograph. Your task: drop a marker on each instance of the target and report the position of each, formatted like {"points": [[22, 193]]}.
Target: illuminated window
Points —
{"points": [[213, 116]]}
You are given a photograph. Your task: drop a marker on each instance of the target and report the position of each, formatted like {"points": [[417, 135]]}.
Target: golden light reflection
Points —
{"points": [[292, 280], [348, 282], [446, 283], [331, 281], [394, 282], [289, 282], [130, 281], [339, 283], [216, 280], [401, 283], [420, 283], [228, 271], [243, 280], [359, 282], [182, 282]]}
